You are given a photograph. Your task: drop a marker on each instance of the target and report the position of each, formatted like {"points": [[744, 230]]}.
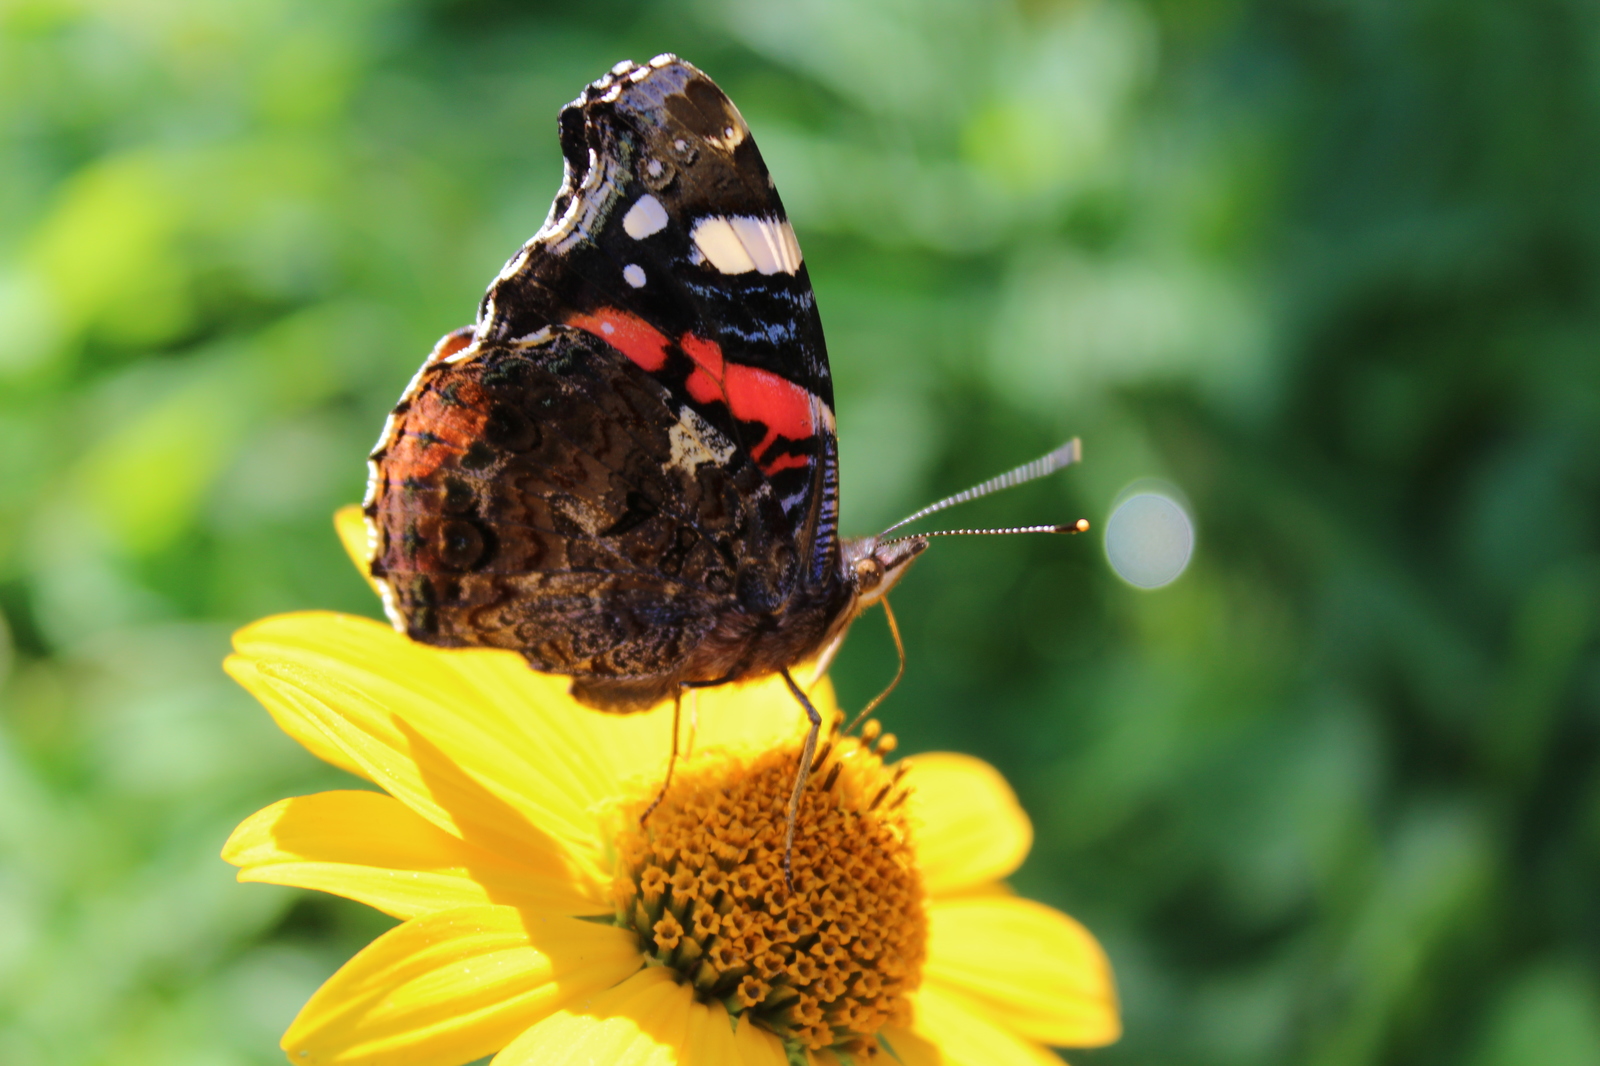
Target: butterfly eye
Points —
{"points": [[869, 572]]}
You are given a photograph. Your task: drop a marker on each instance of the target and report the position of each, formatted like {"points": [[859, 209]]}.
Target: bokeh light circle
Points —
{"points": [[1149, 539]]}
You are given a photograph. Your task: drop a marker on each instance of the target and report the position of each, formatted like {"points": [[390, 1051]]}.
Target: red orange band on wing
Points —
{"points": [[450, 344], [433, 430], [707, 355], [785, 462], [750, 393], [628, 334]]}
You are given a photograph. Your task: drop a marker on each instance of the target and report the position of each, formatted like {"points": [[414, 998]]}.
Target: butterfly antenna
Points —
{"points": [[1069, 453], [1080, 526]]}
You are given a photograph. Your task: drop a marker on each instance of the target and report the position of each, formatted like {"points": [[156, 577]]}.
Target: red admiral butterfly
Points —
{"points": [[626, 471]]}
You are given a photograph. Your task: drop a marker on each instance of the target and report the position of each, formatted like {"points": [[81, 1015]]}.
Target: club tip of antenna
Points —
{"points": [[1080, 526]]}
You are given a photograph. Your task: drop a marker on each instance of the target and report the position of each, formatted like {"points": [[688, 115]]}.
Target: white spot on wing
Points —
{"points": [[742, 243], [695, 441], [770, 243], [538, 336], [731, 138], [654, 168], [633, 274], [791, 246], [719, 242], [645, 217]]}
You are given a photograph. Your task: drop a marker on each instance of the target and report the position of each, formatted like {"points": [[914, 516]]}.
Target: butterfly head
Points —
{"points": [[874, 564]]}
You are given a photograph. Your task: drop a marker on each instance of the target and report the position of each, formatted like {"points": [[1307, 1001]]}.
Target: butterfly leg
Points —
{"points": [[900, 671], [672, 760], [694, 721], [801, 772]]}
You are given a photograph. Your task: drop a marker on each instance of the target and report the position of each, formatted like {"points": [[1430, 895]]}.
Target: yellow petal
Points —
{"points": [[911, 1049], [387, 751], [473, 741], [760, 714], [967, 1035], [749, 716], [1029, 966], [649, 1020], [969, 827], [372, 848], [285, 712], [351, 525], [451, 987]]}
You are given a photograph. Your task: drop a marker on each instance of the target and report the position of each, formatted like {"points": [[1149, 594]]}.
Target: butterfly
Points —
{"points": [[627, 469]]}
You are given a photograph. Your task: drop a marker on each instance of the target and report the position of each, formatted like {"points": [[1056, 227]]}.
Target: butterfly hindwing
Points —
{"points": [[549, 497]]}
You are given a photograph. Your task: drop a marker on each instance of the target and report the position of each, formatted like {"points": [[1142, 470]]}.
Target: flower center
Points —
{"points": [[701, 883]]}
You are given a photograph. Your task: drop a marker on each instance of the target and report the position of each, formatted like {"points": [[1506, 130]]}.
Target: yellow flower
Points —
{"points": [[542, 921]]}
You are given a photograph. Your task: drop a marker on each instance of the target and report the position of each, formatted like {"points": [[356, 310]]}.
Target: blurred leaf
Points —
{"points": [[1548, 1015], [146, 479]]}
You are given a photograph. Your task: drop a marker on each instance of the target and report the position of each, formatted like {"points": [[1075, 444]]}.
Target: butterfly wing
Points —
{"points": [[549, 497], [627, 470], [669, 242]]}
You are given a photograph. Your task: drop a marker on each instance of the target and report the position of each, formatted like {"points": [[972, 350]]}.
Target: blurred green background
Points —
{"points": [[1330, 267]]}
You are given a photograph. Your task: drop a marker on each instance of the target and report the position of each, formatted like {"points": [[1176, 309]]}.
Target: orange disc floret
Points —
{"points": [[825, 964]]}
